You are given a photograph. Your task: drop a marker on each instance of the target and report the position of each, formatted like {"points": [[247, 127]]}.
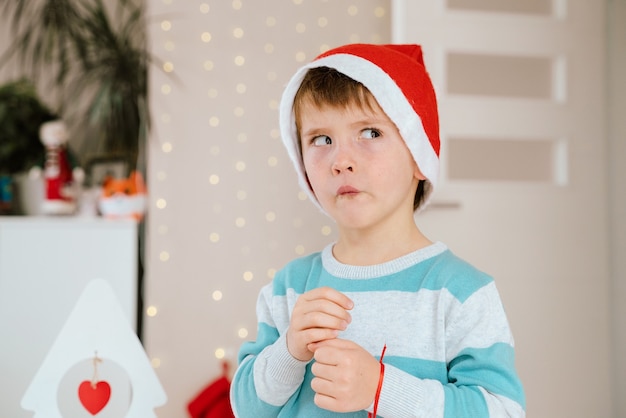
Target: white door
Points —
{"points": [[523, 190]]}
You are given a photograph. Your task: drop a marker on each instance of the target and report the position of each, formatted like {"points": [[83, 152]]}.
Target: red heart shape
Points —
{"points": [[94, 399]]}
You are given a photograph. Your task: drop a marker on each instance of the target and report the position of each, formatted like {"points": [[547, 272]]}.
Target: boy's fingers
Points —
{"points": [[328, 293], [337, 343]]}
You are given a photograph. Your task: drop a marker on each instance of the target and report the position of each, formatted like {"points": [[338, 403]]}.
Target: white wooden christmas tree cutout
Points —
{"points": [[97, 330]]}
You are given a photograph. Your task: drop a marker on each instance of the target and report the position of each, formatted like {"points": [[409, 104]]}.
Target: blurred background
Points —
{"points": [[531, 98]]}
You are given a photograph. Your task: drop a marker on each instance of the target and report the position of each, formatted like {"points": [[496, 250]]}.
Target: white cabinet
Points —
{"points": [[45, 263]]}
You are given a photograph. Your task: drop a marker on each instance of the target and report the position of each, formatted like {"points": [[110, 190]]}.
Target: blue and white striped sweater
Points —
{"points": [[449, 346]]}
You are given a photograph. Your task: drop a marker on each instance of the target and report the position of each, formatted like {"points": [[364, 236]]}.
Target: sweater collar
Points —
{"points": [[347, 271]]}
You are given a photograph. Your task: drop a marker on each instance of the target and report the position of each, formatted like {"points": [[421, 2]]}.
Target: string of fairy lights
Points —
{"points": [[166, 35]]}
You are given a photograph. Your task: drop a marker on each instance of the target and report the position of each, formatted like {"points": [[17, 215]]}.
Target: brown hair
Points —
{"points": [[324, 86]]}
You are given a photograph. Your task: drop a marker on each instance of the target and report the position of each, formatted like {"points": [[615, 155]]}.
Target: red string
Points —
{"points": [[380, 384]]}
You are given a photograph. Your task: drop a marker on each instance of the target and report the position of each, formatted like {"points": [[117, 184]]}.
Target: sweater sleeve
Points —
{"points": [[267, 375], [482, 381]]}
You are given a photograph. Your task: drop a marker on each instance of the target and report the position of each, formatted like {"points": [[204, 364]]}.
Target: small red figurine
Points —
{"points": [[61, 173]]}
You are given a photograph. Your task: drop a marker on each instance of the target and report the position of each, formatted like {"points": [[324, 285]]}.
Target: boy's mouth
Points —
{"points": [[346, 191]]}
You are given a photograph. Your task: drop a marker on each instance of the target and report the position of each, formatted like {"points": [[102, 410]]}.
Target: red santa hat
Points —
{"points": [[397, 78]]}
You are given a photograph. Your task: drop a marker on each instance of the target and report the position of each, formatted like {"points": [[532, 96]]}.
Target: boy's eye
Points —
{"points": [[321, 140], [370, 133]]}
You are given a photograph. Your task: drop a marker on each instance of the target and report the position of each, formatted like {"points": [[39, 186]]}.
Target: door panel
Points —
{"points": [[543, 237]]}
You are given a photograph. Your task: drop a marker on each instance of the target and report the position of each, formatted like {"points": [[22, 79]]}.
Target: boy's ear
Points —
{"points": [[417, 173]]}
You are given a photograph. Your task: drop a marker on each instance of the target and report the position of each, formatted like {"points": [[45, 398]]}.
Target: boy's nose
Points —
{"points": [[343, 159]]}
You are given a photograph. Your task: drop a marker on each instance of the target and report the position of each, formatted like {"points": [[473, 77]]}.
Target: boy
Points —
{"points": [[383, 320]]}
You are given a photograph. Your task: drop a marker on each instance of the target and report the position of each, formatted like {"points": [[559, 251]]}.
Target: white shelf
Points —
{"points": [[45, 263]]}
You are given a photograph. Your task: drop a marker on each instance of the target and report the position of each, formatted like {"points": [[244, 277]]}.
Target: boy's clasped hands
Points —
{"points": [[346, 375]]}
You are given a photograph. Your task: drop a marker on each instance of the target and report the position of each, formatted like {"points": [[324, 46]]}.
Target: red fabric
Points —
{"points": [[405, 65], [55, 185], [213, 401]]}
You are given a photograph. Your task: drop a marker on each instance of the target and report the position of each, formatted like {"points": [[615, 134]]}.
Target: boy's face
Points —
{"points": [[358, 165]]}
